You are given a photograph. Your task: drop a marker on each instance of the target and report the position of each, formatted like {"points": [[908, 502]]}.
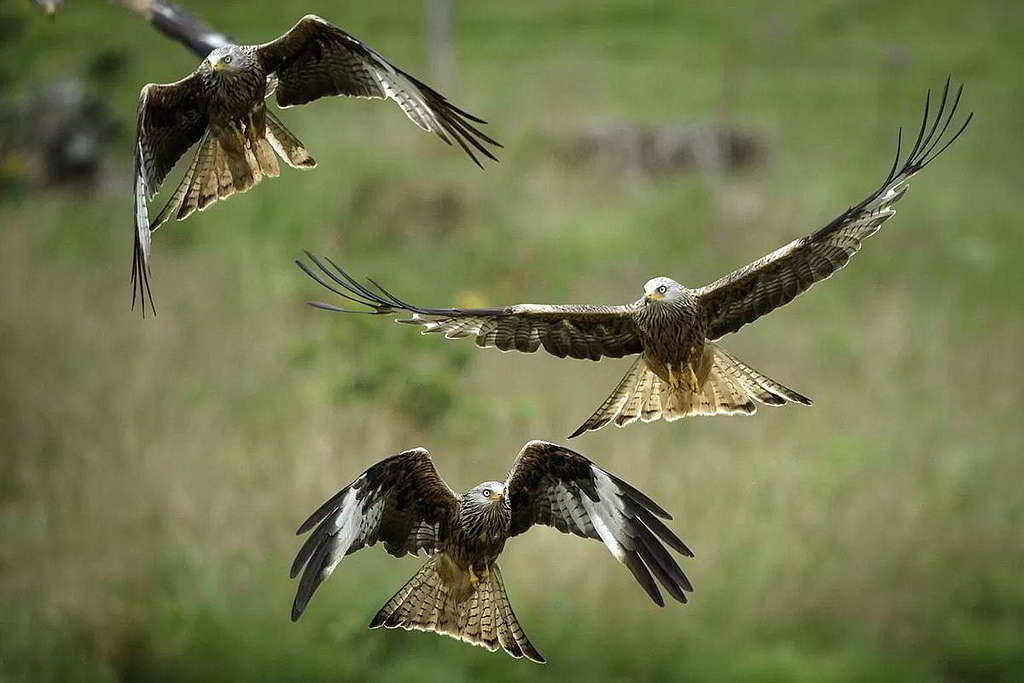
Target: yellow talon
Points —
{"points": [[673, 378], [475, 579], [691, 379]]}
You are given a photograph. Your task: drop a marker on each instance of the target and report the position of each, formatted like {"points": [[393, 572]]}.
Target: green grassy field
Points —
{"points": [[152, 472]]}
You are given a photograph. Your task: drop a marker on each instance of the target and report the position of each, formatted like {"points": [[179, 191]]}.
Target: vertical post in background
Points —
{"points": [[894, 66], [440, 50]]}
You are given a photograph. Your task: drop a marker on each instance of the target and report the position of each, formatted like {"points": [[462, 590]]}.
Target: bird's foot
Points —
{"points": [[691, 380], [673, 377], [475, 579]]}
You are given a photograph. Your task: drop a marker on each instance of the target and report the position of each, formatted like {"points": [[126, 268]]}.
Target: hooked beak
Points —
{"points": [[217, 66], [653, 296]]}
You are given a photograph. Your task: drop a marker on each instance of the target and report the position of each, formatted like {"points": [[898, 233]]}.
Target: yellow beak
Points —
{"points": [[653, 296], [218, 66]]}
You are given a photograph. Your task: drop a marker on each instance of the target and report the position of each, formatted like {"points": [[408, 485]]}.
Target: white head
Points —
{"points": [[487, 493], [663, 289], [228, 59]]}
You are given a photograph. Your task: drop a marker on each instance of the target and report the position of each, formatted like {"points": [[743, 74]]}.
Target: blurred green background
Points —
{"points": [[153, 472]]}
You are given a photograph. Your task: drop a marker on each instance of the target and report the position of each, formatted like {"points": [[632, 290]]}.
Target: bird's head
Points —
{"points": [[487, 493], [663, 289], [227, 59]]}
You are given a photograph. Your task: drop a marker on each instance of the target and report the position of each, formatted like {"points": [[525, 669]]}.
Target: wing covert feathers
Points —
{"points": [[573, 331]]}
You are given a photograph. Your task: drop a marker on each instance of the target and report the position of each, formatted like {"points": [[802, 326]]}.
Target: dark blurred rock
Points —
{"points": [[58, 135], [656, 151]]}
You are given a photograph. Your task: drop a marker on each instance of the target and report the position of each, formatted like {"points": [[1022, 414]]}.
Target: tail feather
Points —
{"points": [[762, 388], [625, 392], [180, 192], [265, 158], [288, 147], [217, 173], [729, 387], [225, 183], [439, 598]]}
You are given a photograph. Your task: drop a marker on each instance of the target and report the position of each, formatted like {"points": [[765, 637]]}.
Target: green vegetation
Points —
{"points": [[152, 473]]}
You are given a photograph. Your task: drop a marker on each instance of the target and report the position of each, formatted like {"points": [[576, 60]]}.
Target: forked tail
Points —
{"points": [[439, 598], [730, 387], [219, 170]]}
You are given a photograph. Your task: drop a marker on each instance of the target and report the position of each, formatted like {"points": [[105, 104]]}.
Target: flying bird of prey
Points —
{"points": [[221, 106], [680, 370], [403, 503]]}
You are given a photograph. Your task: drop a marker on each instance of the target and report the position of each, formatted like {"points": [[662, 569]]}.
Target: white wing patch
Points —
{"points": [[349, 520], [607, 513], [141, 212], [402, 91]]}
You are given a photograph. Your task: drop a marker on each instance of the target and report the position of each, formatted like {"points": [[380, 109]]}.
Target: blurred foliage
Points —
{"points": [[152, 472]]}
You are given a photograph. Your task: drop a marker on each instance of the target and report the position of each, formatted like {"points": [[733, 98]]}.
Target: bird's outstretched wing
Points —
{"points": [[576, 331], [172, 118], [557, 487], [401, 502], [316, 59], [776, 279]]}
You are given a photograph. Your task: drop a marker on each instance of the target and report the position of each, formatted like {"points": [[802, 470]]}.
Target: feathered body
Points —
{"points": [[481, 528], [672, 331], [237, 114]]}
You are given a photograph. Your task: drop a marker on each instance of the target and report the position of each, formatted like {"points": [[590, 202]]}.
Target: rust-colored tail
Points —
{"points": [[287, 146], [221, 168], [439, 598], [730, 387]]}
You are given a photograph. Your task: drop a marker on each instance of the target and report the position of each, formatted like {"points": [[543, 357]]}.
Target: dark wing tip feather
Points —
{"points": [[349, 289], [662, 565], [457, 122], [141, 290], [312, 577], [639, 497], [930, 142], [659, 528], [643, 576], [328, 506], [381, 301]]}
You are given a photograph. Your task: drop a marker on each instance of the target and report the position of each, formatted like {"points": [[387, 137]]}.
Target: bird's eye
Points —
{"points": [[227, 60], [487, 493], [662, 289]]}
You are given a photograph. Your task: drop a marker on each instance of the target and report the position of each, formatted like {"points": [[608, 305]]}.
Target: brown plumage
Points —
{"points": [[221, 106], [403, 503], [681, 371]]}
